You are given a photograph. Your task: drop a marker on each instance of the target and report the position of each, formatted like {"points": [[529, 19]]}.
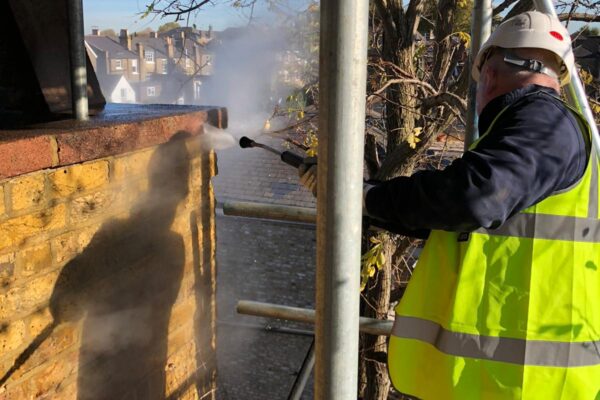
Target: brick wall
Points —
{"points": [[107, 267]]}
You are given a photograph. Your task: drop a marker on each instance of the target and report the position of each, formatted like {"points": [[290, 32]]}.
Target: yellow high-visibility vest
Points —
{"points": [[507, 313]]}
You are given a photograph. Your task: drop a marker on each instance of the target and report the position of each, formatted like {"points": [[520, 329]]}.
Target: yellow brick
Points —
{"points": [[182, 314], [27, 297], [7, 270], [2, 207], [27, 191], [34, 259], [179, 367], [181, 337], [15, 230], [92, 206], [15, 392], [132, 166], [68, 245], [12, 336], [61, 338], [79, 178], [48, 378], [85, 236], [39, 320], [64, 247]]}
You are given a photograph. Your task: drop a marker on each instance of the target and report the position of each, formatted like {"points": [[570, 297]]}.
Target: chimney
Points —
{"points": [[141, 62], [95, 31], [102, 64], [170, 51], [124, 39], [153, 35]]}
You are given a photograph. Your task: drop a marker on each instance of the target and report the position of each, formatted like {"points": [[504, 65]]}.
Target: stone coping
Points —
{"points": [[120, 128]]}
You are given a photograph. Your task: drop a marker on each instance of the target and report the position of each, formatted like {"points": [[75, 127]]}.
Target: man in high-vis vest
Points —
{"points": [[504, 302]]}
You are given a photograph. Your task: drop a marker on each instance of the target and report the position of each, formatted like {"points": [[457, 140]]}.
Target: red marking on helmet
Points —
{"points": [[556, 35]]}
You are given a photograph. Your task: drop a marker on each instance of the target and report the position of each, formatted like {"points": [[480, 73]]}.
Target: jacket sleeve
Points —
{"points": [[535, 150]]}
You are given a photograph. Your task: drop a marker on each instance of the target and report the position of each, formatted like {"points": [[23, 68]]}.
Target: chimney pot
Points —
{"points": [[125, 39], [95, 31]]}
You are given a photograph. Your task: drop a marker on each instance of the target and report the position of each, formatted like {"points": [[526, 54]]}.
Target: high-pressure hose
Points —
{"points": [[286, 156]]}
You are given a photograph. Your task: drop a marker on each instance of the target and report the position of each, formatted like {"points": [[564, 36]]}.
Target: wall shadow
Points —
{"points": [[124, 284]]}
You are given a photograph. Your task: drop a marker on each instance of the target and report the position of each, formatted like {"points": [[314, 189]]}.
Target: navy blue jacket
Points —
{"points": [[533, 150]]}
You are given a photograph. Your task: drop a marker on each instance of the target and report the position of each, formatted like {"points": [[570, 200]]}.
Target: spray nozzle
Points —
{"points": [[246, 142]]}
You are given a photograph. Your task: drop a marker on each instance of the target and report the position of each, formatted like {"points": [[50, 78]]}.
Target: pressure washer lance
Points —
{"points": [[286, 156]]}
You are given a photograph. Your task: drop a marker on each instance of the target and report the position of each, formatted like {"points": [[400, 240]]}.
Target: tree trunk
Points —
{"points": [[375, 383]]}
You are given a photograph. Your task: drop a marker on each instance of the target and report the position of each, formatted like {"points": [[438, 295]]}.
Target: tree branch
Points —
{"points": [[389, 25], [579, 17], [403, 81], [503, 6]]}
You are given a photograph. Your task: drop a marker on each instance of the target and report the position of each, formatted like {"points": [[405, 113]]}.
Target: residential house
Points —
{"points": [[117, 89], [110, 57], [169, 68]]}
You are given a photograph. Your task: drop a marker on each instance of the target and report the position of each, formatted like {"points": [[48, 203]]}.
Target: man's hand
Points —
{"points": [[308, 174]]}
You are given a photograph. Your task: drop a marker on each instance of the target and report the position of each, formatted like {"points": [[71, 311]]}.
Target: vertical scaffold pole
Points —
{"points": [[342, 77], [574, 91], [481, 28], [77, 60]]}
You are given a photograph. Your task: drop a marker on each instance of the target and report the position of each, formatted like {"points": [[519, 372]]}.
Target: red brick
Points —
{"points": [[75, 147], [25, 155]]}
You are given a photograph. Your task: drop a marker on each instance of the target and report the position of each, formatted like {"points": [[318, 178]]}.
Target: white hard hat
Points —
{"points": [[531, 29]]}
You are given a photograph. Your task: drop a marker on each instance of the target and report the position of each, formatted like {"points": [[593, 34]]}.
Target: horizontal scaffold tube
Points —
{"points": [[270, 211], [367, 325]]}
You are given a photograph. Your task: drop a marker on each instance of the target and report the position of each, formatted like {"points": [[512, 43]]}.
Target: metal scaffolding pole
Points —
{"points": [[574, 91], [77, 60], [270, 211], [371, 326], [342, 81], [481, 29]]}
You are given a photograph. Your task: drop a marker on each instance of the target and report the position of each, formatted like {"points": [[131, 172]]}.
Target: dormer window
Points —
{"points": [[149, 56], [118, 64]]}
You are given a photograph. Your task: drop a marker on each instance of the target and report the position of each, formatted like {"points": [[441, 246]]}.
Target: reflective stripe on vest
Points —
{"points": [[509, 350], [556, 227]]}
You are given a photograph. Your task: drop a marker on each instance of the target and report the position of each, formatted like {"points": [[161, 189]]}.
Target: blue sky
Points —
{"points": [[118, 14]]}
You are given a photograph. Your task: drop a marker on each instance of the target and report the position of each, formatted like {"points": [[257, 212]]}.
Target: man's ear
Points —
{"points": [[489, 75]]}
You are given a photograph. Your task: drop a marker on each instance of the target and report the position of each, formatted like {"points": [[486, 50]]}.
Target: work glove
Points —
{"points": [[308, 177], [308, 174]]}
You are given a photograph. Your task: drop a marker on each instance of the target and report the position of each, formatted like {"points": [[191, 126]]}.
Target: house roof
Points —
{"points": [[590, 43], [109, 82], [157, 44], [114, 49]]}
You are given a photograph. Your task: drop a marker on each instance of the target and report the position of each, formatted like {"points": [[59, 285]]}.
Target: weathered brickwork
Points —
{"points": [[108, 268]]}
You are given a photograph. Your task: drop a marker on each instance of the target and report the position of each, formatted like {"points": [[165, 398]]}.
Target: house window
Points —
{"points": [[197, 88], [164, 66], [118, 64], [149, 56], [134, 67], [151, 91]]}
